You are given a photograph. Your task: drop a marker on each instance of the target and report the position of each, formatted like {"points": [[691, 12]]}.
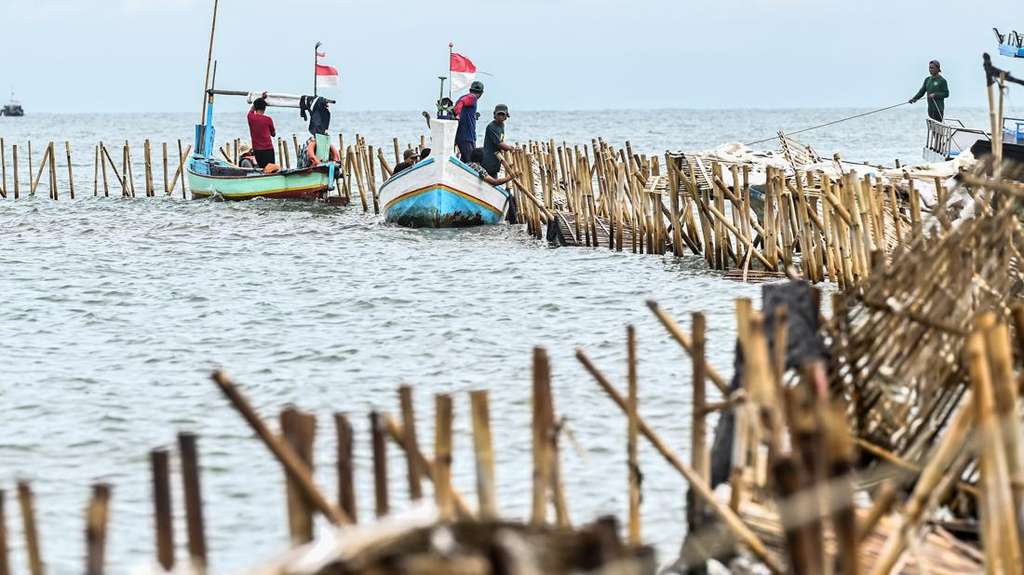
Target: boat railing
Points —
{"points": [[949, 138]]}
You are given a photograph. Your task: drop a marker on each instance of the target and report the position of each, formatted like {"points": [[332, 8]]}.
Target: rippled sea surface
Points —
{"points": [[113, 312]]}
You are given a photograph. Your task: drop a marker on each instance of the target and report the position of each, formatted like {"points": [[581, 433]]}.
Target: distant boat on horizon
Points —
{"points": [[12, 108]]}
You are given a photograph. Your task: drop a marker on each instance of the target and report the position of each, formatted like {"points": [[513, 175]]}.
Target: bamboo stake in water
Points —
{"points": [[39, 174], [485, 482], [346, 475], [3, 169], [380, 465], [443, 457], [181, 169], [14, 160], [71, 176], [103, 166], [96, 529], [5, 565], [160, 465], [698, 448], [410, 441], [299, 430], [147, 152], [28, 519], [53, 172], [541, 432], [633, 467], [167, 183], [192, 492]]}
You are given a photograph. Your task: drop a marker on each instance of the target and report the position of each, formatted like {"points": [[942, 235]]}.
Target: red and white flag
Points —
{"points": [[463, 72], [326, 76]]}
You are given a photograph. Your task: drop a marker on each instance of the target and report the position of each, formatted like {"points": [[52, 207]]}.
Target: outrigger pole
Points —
{"points": [[209, 59], [450, 46]]}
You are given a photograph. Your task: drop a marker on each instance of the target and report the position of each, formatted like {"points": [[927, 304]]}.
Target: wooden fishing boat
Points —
{"points": [[213, 177], [442, 191]]}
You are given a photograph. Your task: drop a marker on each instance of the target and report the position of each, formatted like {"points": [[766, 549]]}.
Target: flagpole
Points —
{"points": [[450, 46], [315, 61]]}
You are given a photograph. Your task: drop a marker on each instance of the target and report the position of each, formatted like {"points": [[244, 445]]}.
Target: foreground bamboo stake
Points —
{"points": [[96, 529], [702, 489], [680, 336], [5, 566], [482, 447], [284, 453], [443, 457], [160, 465], [426, 467], [631, 441], [28, 519], [192, 492]]}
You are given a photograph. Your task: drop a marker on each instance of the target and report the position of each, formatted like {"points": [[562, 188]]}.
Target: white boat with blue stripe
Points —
{"points": [[441, 191]]}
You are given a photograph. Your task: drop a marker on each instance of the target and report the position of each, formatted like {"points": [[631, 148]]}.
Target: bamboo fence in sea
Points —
{"points": [[795, 221]]}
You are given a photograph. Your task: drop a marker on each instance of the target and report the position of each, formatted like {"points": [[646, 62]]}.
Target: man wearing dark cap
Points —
{"points": [[937, 90], [494, 141], [409, 159]]}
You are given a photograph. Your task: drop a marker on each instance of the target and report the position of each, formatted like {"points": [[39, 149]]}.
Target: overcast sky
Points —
{"points": [[149, 55]]}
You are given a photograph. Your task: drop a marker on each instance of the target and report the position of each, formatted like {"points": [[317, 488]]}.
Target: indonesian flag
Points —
{"points": [[326, 76], [463, 72]]}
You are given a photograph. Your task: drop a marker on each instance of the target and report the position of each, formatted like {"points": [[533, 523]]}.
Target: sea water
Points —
{"points": [[113, 313]]}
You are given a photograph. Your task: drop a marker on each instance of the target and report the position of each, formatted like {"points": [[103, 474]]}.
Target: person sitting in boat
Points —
{"points": [[246, 157], [494, 141], [409, 159], [474, 162], [937, 89], [261, 129], [318, 149], [465, 111]]}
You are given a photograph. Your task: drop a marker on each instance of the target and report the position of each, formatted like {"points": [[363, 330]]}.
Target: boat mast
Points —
{"points": [[209, 59], [316, 62]]}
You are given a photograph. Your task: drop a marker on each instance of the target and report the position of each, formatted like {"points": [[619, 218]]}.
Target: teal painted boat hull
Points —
{"points": [[305, 184]]}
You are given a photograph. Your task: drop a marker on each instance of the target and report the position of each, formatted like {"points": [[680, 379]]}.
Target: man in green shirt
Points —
{"points": [[937, 89]]}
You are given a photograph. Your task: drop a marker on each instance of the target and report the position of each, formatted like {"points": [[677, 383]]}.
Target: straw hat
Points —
{"points": [[244, 149]]}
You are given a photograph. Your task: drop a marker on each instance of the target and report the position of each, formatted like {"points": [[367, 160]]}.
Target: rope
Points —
{"points": [[830, 123]]}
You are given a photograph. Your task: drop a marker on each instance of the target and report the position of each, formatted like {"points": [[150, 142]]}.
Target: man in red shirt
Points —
{"points": [[261, 129]]}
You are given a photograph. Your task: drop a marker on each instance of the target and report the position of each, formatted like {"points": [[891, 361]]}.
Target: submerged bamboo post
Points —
{"points": [[541, 433], [53, 172], [633, 467], [30, 165], [443, 457], [482, 447], [39, 174], [162, 511], [28, 520], [410, 441], [192, 493], [281, 450], [14, 162], [71, 176], [299, 430], [103, 166], [699, 456], [181, 170], [3, 170], [380, 465], [346, 474], [96, 529], [167, 182], [5, 565], [147, 153]]}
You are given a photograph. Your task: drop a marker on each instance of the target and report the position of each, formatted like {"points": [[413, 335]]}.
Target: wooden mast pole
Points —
{"points": [[316, 62], [209, 59]]}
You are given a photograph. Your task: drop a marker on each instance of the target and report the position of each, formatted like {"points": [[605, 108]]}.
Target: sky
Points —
{"points": [[150, 55]]}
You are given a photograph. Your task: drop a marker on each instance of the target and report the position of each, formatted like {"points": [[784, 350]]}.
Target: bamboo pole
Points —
{"points": [[3, 169], [380, 466], [687, 344], [53, 172], [103, 165], [30, 165], [39, 174], [443, 457], [410, 440], [5, 565], [541, 433], [484, 451], [14, 162], [167, 183], [427, 468], [346, 475], [729, 517], [181, 170], [299, 431], [281, 450], [28, 520], [699, 456], [147, 152], [96, 529], [162, 510], [192, 492], [71, 176], [633, 467]]}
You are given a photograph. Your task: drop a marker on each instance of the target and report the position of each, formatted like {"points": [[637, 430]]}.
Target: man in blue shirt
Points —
{"points": [[465, 111]]}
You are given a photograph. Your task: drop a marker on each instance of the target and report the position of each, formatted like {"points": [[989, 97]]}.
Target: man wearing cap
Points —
{"points": [[465, 111], [937, 90], [409, 159], [494, 141]]}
